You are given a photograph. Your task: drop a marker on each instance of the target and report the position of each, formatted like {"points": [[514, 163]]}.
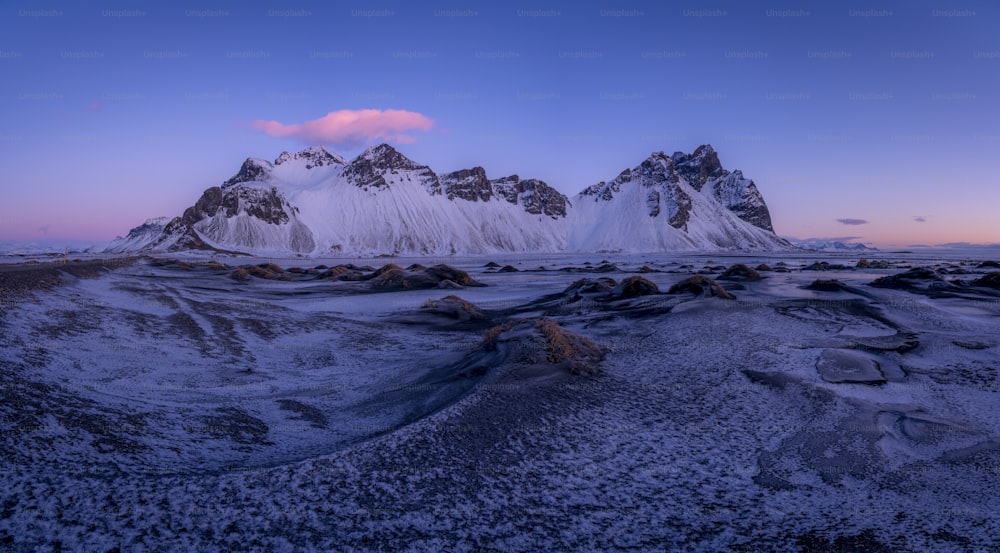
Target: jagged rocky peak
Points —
{"points": [[252, 170], [699, 167], [314, 156], [533, 195], [740, 195], [387, 157], [657, 169], [369, 170], [467, 184], [665, 202], [659, 182]]}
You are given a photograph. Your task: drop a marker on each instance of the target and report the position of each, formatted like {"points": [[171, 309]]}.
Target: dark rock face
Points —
{"points": [[187, 239], [603, 191], [699, 167], [535, 196], [539, 198], [680, 204], [467, 184], [252, 170], [183, 227], [743, 199], [656, 170], [369, 169], [653, 203], [266, 205], [206, 206]]}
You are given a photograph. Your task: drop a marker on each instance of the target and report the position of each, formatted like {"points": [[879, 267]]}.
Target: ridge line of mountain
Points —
{"points": [[316, 202]]}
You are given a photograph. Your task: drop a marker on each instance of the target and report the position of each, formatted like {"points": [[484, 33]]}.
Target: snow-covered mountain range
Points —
{"points": [[317, 203], [823, 245]]}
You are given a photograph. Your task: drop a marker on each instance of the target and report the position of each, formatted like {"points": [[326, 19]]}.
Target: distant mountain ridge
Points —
{"points": [[315, 202], [821, 245]]}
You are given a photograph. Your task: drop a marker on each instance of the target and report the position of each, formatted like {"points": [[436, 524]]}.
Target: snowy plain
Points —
{"points": [[173, 408]]}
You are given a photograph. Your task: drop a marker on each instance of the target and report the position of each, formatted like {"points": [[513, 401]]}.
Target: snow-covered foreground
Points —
{"points": [[166, 407]]}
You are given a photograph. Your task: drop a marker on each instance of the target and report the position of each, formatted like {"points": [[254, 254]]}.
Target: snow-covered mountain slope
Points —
{"points": [[315, 202], [669, 203], [139, 237], [382, 202]]}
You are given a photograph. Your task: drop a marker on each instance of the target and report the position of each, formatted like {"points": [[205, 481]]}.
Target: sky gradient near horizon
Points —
{"points": [[877, 122]]}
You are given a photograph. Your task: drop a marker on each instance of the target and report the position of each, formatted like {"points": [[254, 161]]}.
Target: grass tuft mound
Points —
{"points": [[454, 307], [543, 341], [740, 272], [635, 286], [989, 280], [393, 277], [267, 271], [702, 286]]}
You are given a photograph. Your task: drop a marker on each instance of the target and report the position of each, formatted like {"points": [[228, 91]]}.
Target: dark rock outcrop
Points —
{"points": [[369, 169], [252, 170], [467, 184], [533, 195], [698, 167]]}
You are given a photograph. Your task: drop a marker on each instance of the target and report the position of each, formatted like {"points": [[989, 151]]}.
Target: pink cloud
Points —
{"points": [[351, 127]]}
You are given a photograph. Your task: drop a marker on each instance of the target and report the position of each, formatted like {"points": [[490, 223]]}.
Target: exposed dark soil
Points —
{"points": [[18, 279]]}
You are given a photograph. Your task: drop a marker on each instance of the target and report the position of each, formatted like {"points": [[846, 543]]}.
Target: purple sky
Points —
{"points": [[877, 123]]}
